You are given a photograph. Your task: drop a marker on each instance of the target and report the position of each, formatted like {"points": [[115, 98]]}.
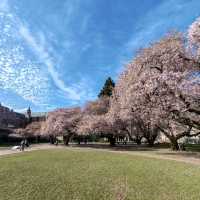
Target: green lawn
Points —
{"points": [[63, 174]]}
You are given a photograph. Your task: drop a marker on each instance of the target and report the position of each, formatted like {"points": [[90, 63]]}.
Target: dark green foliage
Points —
{"points": [[107, 88]]}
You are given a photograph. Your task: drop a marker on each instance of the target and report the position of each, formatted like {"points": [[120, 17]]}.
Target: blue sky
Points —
{"points": [[59, 53]]}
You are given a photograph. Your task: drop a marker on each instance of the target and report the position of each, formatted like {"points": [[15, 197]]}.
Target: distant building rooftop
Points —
{"points": [[37, 114]]}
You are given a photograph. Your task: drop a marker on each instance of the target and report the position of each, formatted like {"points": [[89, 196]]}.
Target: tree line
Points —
{"points": [[157, 93]]}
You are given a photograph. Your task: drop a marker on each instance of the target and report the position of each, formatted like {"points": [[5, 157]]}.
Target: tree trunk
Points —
{"points": [[151, 140], [174, 144], [79, 141], [138, 141], [66, 140], [37, 139], [51, 138], [112, 141], [151, 137], [172, 139]]}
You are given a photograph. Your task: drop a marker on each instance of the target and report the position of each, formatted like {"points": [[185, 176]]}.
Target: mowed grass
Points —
{"points": [[71, 174]]}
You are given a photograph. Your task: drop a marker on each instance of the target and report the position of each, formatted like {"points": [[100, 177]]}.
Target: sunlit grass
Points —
{"points": [[69, 174]]}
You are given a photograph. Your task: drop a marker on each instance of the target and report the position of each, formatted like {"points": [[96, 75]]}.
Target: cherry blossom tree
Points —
{"points": [[194, 38], [132, 122], [156, 89], [62, 122], [126, 126], [95, 120], [97, 107], [31, 130], [91, 111]]}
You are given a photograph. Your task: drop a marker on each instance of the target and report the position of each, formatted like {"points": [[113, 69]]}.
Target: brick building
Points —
{"points": [[11, 119]]}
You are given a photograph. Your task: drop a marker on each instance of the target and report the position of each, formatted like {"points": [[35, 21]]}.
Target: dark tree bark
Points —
{"points": [[52, 139], [174, 144], [151, 139], [112, 141], [66, 139], [174, 139], [138, 140], [79, 140], [37, 139]]}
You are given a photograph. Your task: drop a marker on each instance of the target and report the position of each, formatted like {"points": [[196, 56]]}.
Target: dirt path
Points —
{"points": [[165, 154]]}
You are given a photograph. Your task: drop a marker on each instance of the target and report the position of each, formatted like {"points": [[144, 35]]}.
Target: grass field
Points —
{"points": [[68, 174]]}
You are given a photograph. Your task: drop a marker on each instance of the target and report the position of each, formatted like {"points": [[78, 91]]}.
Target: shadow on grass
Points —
{"points": [[118, 147], [158, 149], [183, 154]]}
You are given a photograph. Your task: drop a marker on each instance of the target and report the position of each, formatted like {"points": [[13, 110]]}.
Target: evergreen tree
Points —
{"points": [[107, 88]]}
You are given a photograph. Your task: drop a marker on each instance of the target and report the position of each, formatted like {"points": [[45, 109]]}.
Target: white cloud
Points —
{"points": [[18, 73], [42, 53], [30, 79], [41, 48]]}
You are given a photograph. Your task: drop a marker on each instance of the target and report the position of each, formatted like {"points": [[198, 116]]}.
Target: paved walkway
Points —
{"points": [[7, 151], [166, 154]]}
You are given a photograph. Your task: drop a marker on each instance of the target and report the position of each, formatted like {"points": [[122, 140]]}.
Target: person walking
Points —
{"points": [[22, 145], [56, 143], [26, 143]]}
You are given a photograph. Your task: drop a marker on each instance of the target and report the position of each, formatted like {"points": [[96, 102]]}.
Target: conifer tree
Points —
{"points": [[107, 88]]}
